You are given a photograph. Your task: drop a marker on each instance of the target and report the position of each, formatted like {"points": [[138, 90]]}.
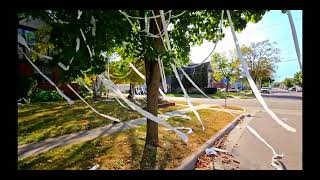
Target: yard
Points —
{"points": [[39, 121], [123, 150]]}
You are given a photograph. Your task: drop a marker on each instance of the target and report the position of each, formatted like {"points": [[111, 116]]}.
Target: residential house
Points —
{"points": [[201, 75], [26, 29]]}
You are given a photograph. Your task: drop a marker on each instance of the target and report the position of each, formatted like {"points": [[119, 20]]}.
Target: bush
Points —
{"points": [[25, 86], [45, 96]]}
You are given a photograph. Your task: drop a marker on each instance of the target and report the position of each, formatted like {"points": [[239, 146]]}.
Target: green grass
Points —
{"points": [[125, 150], [39, 121], [218, 95]]}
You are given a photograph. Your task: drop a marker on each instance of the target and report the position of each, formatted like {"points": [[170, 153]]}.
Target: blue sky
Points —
{"points": [[273, 26]]}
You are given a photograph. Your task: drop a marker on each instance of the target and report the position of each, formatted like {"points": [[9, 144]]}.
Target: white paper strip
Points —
{"points": [[164, 24], [295, 39], [71, 60], [186, 95], [79, 14], [163, 76], [275, 156], [84, 38], [52, 83], [182, 128], [150, 116], [93, 22], [251, 82], [136, 70], [84, 84], [144, 78], [23, 42], [41, 55], [93, 109], [78, 44], [121, 103], [121, 77], [90, 53], [194, 84], [63, 66]]}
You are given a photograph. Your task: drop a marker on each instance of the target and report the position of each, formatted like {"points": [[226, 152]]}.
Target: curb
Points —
{"points": [[190, 162]]}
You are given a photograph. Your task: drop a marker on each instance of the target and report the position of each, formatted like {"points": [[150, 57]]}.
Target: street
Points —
{"points": [[249, 150]]}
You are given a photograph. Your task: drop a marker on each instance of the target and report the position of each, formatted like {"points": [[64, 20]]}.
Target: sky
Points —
{"points": [[274, 26]]}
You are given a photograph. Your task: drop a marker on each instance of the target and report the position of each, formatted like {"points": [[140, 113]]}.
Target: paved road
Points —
{"points": [[251, 152]]}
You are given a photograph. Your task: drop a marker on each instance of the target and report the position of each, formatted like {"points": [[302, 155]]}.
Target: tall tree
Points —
{"points": [[288, 82], [297, 78], [261, 58], [113, 30], [120, 72], [225, 68]]}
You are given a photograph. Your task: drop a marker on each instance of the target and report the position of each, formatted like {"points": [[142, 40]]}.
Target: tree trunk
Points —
{"points": [[227, 88], [153, 83], [95, 90], [131, 91]]}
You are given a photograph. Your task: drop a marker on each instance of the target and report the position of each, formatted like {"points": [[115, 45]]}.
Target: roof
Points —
{"points": [[204, 67], [32, 23]]}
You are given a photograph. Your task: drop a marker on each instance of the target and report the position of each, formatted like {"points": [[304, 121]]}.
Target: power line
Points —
{"points": [[288, 60]]}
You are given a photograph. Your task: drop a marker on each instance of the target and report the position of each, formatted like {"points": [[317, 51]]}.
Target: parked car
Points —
{"points": [[231, 89], [265, 90], [295, 88], [292, 89], [299, 89]]}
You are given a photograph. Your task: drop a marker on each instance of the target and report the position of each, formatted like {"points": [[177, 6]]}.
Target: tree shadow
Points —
{"points": [[79, 156], [149, 157], [134, 145]]}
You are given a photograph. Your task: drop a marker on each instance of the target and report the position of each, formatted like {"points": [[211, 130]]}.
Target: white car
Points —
{"points": [[295, 88], [231, 89], [265, 90]]}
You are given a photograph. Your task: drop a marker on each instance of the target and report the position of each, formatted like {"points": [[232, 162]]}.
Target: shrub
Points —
{"points": [[45, 96]]}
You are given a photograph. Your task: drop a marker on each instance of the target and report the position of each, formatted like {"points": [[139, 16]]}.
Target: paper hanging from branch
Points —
{"points": [[252, 84], [187, 96], [144, 78], [93, 109], [78, 44], [148, 115], [52, 83], [79, 14]]}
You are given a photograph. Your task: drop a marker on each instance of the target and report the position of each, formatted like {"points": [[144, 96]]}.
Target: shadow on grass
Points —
{"points": [[79, 156], [65, 119], [149, 157]]}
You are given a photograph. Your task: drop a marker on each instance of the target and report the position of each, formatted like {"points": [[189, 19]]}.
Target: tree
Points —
{"points": [[288, 82], [225, 68], [297, 78], [121, 69], [114, 31], [261, 58]]}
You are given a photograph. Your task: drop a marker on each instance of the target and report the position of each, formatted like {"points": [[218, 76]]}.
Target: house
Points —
{"points": [[25, 71], [201, 75]]}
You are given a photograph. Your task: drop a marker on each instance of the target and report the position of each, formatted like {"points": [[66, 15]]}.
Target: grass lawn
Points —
{"points": [[218, 95], [39, 121], [124, 150]]}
